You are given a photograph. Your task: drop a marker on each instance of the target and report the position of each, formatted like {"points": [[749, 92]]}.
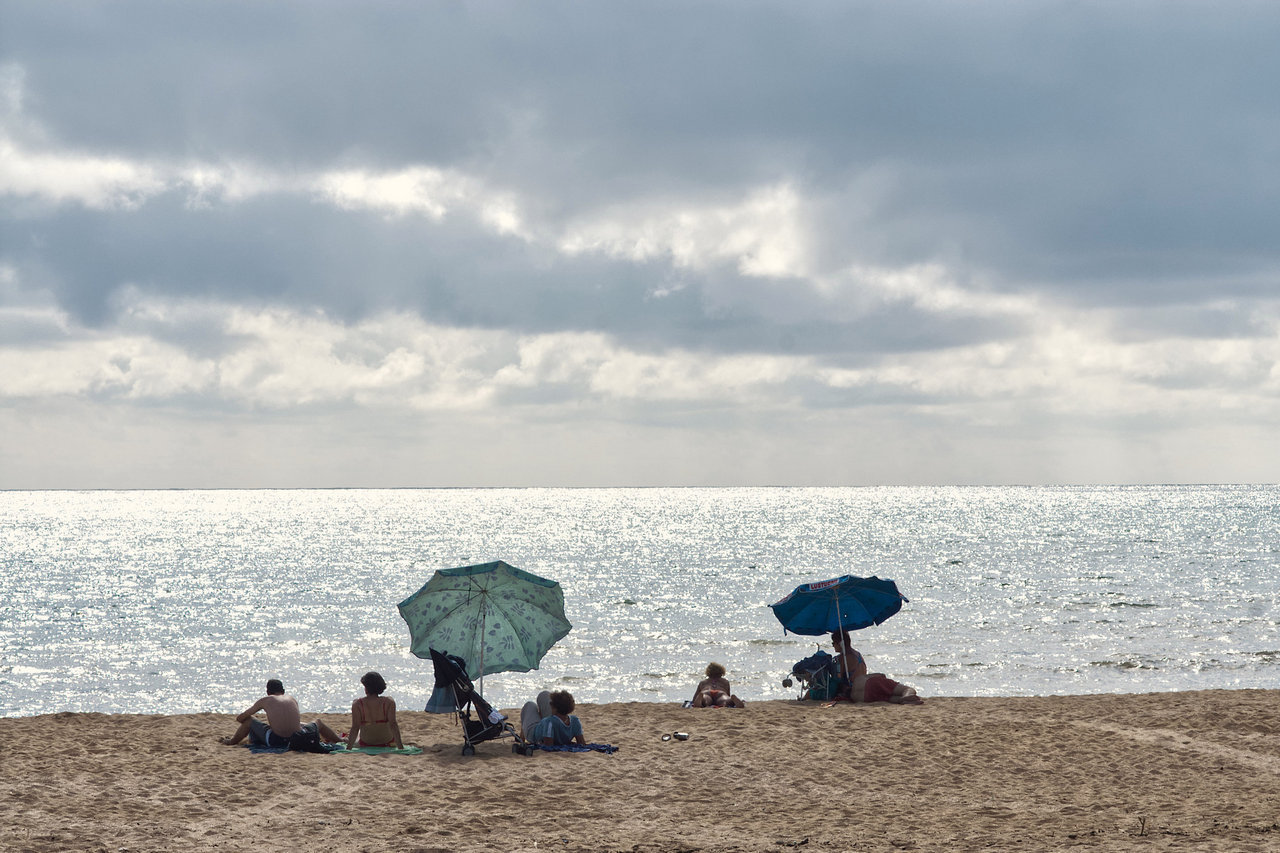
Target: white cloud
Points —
{"points": [[278, 359], [764, 234], [127, 367], [422, 190], [96, 182], [207, 184]]}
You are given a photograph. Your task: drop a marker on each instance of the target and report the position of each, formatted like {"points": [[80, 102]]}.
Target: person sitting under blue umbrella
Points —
{"points": [[864, 687]]}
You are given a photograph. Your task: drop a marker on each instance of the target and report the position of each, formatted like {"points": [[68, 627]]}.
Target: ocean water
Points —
{"points": [[186, 601]]}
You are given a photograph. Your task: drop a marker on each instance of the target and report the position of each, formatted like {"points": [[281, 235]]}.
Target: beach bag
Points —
{"points": [[822, 672], [306, 741], [827, 690], [818, 662]]}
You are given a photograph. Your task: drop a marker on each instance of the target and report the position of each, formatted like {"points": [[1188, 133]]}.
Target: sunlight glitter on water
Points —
{"points": [[187, 601]]}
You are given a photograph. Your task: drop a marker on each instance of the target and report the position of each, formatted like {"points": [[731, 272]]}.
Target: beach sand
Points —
{"points": [[1167, 771]]}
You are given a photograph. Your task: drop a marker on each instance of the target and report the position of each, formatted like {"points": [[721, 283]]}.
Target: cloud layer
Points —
{"points": [[306, 244]]}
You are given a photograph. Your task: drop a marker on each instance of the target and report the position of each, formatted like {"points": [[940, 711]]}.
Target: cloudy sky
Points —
{"points": [[566, 243]]}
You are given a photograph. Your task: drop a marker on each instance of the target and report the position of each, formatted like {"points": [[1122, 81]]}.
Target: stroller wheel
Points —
{"points": [[468, 749]]}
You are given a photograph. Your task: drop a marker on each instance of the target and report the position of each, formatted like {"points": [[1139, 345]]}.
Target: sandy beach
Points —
{"points": [[1167, 771]]}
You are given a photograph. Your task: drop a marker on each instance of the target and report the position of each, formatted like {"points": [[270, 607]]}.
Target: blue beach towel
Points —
{"points": [[573, 747]]}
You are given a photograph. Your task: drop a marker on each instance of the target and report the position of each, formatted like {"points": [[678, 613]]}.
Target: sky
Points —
{"points": [[323, 244]]}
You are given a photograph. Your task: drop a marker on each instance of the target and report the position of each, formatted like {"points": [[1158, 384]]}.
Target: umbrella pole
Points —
{"points": [[843, 651], [482, 614]]}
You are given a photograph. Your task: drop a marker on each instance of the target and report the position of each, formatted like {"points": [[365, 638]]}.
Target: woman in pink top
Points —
{"points": [[373, 716]]}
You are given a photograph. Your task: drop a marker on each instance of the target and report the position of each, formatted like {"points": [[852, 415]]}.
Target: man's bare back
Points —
{"points": [[282, 713], [283, 720]]}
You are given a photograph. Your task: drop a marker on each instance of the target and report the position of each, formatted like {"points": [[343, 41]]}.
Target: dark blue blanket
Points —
{"points": [[276, 750], [573, 747]]}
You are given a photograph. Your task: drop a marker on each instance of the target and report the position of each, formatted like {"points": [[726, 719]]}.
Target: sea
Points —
{"points": [[167, 602]]}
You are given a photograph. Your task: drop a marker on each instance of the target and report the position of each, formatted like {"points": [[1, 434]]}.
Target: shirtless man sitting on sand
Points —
{"points": [[283, 720], [869, 687]]}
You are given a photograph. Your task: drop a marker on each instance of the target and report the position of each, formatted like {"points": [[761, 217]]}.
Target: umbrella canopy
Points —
{"points": [[494, 616], [843, 603]]}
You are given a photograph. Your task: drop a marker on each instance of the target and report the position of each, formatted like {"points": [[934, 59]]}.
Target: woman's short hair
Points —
{"points": [[373, 683], [715, 670], [562, 702]]}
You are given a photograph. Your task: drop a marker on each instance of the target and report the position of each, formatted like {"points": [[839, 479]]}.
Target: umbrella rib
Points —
{"points": [[498, 609], [463, 605]]}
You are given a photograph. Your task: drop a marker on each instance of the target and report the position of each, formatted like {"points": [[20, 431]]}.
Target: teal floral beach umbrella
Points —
{"points": [[494, 616]]}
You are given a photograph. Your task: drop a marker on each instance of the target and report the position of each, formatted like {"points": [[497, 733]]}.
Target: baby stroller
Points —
{"points": [[452, 681], [819, 676]]}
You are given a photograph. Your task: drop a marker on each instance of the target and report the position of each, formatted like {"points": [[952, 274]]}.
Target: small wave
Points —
{"points": [[1126, 664]]}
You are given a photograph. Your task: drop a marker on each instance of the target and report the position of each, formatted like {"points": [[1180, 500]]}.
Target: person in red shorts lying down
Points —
{"points": [[864, 686]]}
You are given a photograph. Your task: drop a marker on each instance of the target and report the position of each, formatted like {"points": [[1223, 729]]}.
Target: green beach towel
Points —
{"points": [[381, 750]]}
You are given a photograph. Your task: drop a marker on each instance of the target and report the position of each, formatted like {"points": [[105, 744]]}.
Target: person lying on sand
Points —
{"points": [[864, 686], [283, 721], [714, 691], [878, 687]]}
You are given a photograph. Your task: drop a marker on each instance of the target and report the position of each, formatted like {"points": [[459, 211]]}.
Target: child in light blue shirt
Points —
{"points": [[558, 728]]}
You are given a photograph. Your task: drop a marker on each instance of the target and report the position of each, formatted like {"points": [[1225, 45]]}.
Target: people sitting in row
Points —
{"points": [[714, 691], [549, 721], [373, 720], [859, 686]]}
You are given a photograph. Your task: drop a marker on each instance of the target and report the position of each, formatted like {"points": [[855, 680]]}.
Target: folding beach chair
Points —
{"points": [[453, 683], [818, 675]]}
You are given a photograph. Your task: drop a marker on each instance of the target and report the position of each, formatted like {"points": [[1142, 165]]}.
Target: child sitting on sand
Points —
{"points": [[714, 692], [558, 728]]}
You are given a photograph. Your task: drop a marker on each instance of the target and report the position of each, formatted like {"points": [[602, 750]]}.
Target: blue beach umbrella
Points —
{"points": [[494, 616], [844, 603]]}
